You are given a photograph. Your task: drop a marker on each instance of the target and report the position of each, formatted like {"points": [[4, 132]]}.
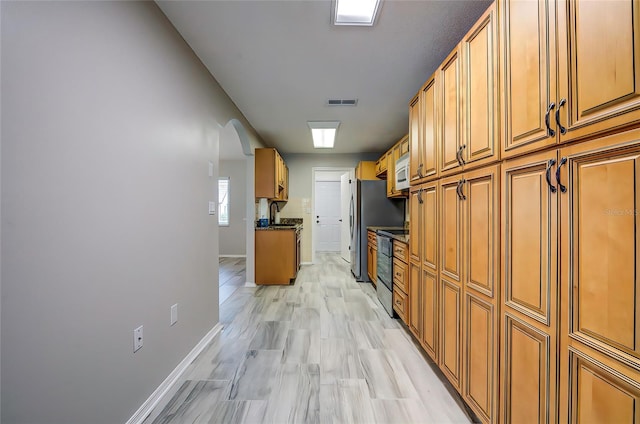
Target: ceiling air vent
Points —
{"points": [[342, 102]]}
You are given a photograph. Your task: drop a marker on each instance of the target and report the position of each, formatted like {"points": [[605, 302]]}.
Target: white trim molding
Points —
{"points": [[250, 284], [232, 256], [165, 387]]}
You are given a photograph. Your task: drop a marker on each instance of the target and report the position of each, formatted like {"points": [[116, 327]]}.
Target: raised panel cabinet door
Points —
{"points": [[480, 356], [480, 132], [600, 252], [415, 139], [599, 67], [451, 331], [450, 228], [529, 236], [450, 110], [391, 174], [528, 84], [430, 139], [528, 380], [529, 289], [600, 393], [415, 300], [415, 227], [374, 267], [482, 230], [370, 261], [429, 227], [429, 309]]}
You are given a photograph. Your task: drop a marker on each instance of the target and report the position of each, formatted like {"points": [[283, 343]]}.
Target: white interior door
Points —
{"points": [[327, 209], [345, 197]]}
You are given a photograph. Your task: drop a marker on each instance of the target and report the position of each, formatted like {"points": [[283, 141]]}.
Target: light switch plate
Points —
{"points": [[212, 208], [210, 169]]}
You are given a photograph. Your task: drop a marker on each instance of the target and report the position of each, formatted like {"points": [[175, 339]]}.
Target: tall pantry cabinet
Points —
{"points": [[525, 155], [570, 74]]}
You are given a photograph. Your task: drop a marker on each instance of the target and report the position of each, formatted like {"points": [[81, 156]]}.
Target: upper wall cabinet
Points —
{"points": [[423, 134], [480, 125], [597, 62], [271, 175], [449, 114]]}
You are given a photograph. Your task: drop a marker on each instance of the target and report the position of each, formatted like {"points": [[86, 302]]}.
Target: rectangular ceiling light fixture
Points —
{"points": [[356, 12], [323, 133]]}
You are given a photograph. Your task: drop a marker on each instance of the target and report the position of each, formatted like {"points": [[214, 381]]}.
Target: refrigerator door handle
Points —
{"points": [[351, 211]]}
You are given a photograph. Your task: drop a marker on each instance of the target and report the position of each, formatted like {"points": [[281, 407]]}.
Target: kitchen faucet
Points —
{"points": [[272, 215]]}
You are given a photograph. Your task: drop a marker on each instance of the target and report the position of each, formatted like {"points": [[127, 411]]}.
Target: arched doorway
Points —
{"points": [[237, 160]]}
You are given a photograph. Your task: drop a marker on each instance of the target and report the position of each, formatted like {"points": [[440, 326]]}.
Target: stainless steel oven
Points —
{"points": [[384, 285]]}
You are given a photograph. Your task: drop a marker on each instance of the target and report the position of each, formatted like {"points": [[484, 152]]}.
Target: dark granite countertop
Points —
{"points": [[403, 238], [285, 224]]}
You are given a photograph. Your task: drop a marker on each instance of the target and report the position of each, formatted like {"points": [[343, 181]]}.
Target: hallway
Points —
{"points": [[232, 275], [321, 350]]}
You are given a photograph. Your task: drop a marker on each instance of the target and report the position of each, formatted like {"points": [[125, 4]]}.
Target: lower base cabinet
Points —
{"points": [[277, 256]]}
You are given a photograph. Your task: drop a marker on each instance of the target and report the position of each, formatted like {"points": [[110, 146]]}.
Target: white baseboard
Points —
{"points": [[306, 263], [157, 396], [232, 256], [250, 284]]}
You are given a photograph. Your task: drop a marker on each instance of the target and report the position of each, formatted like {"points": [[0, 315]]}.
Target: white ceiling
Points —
{"points": [[280, 61]]}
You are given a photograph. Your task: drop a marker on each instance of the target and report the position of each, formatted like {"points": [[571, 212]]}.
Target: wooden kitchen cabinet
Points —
{"points": [[600, 287], [381, 167], [277, 254], [529, 287], [372, 257], [366, 170], [423, 137], [423, 267], [450, 281], [597, 64], [480, 132], [401, 280], [449, 106], [480, 193], [271, 175], [392, 156]]}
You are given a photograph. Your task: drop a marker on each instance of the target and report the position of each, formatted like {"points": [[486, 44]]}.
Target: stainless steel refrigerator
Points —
{"points": [[370, 207]]}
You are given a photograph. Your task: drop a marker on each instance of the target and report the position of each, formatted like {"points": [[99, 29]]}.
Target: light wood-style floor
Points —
{"points": [[320, 351], [232, 274]]}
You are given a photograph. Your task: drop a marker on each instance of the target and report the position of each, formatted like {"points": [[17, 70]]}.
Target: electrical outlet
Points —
{"points": [[137, 339], [174, 314]]}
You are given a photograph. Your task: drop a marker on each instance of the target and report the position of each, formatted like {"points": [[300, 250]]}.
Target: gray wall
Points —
{"points": [[109, 122], [233, 237]]}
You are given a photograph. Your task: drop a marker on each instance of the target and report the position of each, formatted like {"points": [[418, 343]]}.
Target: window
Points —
{"points": [[223, 201]]}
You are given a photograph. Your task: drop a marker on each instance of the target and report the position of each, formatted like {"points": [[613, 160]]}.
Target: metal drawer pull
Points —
{"points": [[562, 129], [551, 132], [548, 174], [563, 188]]}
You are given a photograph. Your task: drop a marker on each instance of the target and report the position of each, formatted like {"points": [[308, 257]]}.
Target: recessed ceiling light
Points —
{"points": [[323, 133], [355, 12]]}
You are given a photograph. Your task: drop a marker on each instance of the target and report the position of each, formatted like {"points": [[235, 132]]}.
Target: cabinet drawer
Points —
{"points": [[400, 304], [400, 251], [371, 239], [400, 277]]}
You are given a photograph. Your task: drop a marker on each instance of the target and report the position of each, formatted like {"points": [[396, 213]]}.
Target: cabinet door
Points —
{"points": [[529, 290], [528, 68], [450, 228], [450, 283], [430, 139], [415, 139], [429, 276], [374, 266], [429, 311], [600, 301], [449, 76], [599, 66], [415, 221], [391, 174], [480, 133], [415, 300], [481, 216]]}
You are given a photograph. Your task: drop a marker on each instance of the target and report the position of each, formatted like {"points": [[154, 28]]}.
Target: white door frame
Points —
{"points": [[352, 174]]}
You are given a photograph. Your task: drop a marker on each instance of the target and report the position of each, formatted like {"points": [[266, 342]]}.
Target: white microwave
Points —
{"points": [[402, 172]]}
